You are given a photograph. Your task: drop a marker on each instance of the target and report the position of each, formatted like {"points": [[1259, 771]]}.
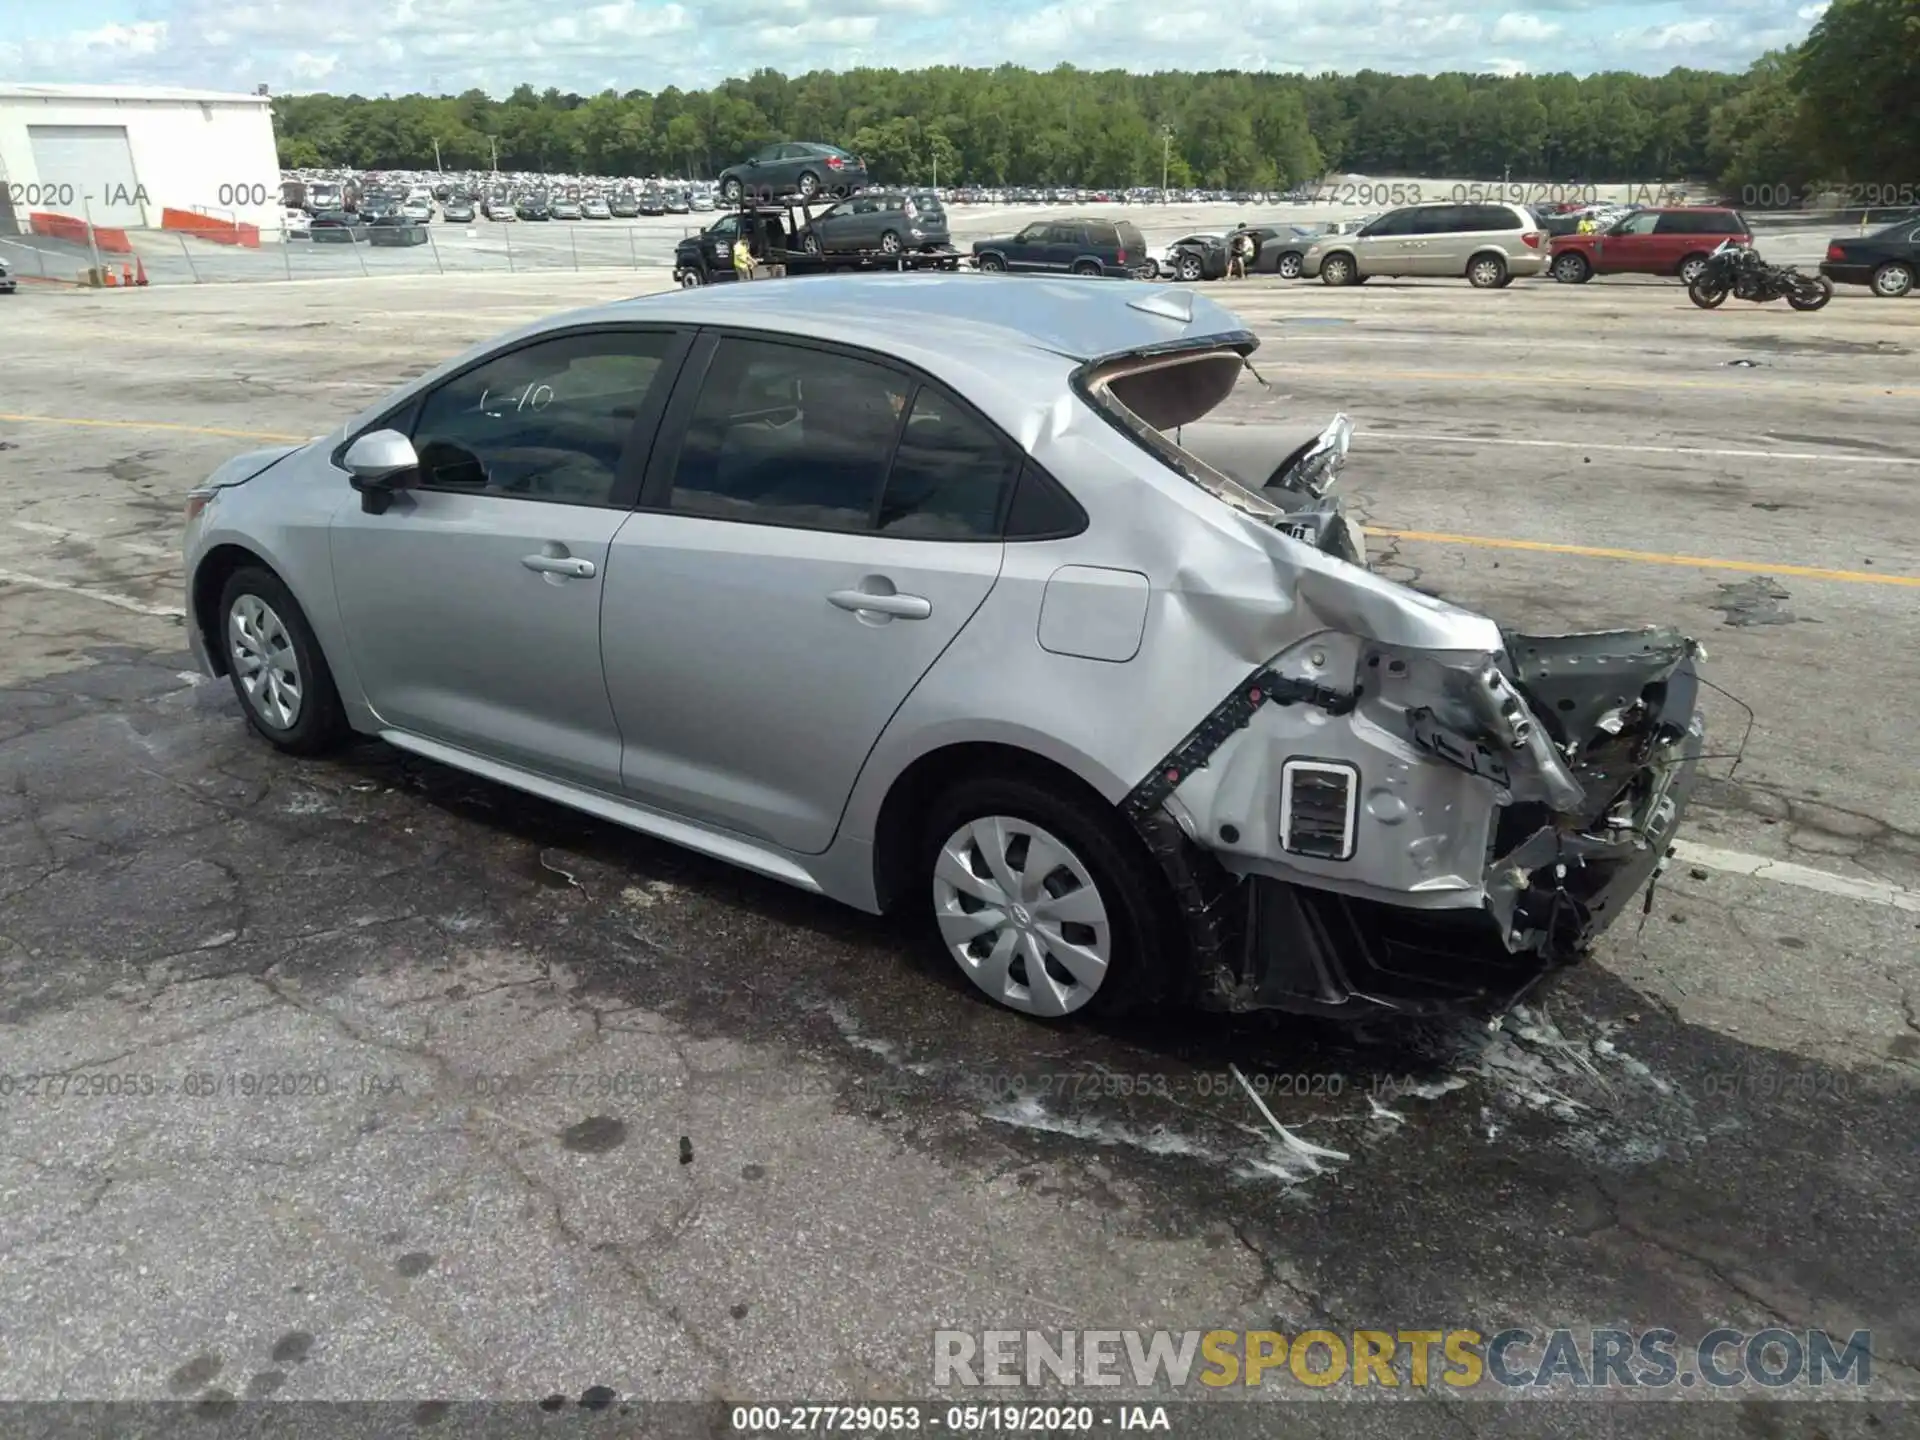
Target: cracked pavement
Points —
{"points": [[361, 1079]]}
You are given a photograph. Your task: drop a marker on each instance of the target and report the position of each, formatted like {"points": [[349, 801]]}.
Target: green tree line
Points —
{"points": [[1842, 105]]}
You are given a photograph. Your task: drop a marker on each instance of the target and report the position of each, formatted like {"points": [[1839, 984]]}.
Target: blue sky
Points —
{"points": [[378, 46]]}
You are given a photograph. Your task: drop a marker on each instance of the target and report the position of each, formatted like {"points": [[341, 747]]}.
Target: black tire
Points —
{"points": [[808, 185], [1339, 269], [320, 722], [1572, 269], [1893, 280], [1708, 297], [1287, 267], [1815, 293], [1085, 268], [732, 190], [1189, 267], [1487, 272], [992, 263], [1143, 923]]}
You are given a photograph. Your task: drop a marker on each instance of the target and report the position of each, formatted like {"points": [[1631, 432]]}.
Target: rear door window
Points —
{"points": [[787, 435], [952, 474]]}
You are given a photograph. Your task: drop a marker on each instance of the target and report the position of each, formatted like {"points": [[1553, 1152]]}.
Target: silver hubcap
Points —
{"points": [[1894, 281], [263, 657], [1486, 272], [1692, 271], [1337, 269], [890, 242], [1020, 912], [1289, 267]]}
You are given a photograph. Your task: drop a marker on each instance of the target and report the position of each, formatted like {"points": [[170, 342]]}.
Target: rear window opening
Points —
{"points": [[1150, 397]]}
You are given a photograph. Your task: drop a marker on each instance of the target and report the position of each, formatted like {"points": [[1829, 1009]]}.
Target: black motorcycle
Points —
{"points": [[1738, 270]]}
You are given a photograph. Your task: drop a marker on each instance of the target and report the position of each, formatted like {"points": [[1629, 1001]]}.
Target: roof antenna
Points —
{"points": [[1247, 361]]}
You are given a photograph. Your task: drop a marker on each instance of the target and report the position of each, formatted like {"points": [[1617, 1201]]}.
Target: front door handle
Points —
{"points": [[900, 607], [559, 565]]}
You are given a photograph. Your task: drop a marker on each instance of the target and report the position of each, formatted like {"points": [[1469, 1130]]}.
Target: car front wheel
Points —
{"points": [[1572, 270], [276, 666], [731, 190], [991, 263], [1045, 901]]}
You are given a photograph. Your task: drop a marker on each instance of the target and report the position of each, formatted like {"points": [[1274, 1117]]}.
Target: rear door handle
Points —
{"points": [[900, 607], [559, 565]]}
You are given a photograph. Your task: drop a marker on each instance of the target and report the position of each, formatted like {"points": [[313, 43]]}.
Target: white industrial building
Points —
{"points": [[120, 155]]}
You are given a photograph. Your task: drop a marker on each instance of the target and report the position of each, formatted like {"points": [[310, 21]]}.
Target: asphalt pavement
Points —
{"points": [[358, 1079]]}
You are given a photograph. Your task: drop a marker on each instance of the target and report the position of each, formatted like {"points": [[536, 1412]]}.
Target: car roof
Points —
{"points": [[1077, 319]]}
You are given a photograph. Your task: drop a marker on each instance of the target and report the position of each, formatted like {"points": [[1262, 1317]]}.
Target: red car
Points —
{"points": [[1669, 240]]}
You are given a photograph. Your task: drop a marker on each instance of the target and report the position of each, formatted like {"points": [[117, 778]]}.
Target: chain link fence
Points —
{"points": [[174, 258]]}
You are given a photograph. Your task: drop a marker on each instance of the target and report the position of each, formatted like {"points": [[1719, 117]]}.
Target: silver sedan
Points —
{"points": [[941, 595]]}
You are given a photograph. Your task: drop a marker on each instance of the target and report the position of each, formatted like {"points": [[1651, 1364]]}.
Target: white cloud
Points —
{"points": [[396, 46], [1518, 26]]}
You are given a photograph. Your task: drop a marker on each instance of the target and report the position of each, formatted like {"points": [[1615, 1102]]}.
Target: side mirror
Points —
{"points": [[1311, 469], [379, 463]]}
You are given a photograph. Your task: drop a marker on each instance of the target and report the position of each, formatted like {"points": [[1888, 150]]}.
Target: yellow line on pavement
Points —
{"points": [[1650, 557], [1648, 380], [154, 425]]}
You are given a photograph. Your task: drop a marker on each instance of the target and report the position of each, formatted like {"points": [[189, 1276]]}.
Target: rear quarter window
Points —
{"points": [[1131, 238]]}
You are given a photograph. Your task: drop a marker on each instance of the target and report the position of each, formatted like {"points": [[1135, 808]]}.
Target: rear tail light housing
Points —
{"points": [[834, 162], [1834, 252], [1122, 256], [1531, 239]]}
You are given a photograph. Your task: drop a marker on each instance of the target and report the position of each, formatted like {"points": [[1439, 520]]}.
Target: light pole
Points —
{"points": [[438, 167], [1166, 158], [495, 143]]}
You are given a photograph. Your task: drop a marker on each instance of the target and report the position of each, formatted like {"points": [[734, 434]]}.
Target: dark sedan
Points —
{"points": [[7, 283], [1886, 261], [887, 221], [532, 207], [335, 227], [805, 168], [395, 230]]}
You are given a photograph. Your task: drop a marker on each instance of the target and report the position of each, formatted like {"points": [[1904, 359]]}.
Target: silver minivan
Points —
{"points": [[1489, 244]]}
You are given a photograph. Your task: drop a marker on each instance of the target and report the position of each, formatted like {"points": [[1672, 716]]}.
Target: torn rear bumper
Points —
{"points": [[1514, 883]]}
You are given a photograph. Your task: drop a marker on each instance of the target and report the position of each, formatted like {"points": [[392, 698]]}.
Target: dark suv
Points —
{"points": [[1071, 246], [801, 167], [1673, 240]]}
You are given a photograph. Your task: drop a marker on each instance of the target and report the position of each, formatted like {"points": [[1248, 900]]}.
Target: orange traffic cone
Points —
{"points": [[140, 274], [126, 275], [110, 280]]}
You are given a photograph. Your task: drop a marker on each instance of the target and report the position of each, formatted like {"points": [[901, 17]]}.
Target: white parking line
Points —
{"points": [[1735, 862], [57, 532], [1829, 456], [105, 597]]}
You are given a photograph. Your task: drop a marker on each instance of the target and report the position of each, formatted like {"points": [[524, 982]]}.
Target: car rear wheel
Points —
{"points": [[890, 242], [731, 190], [1486, 272], [1337, 270], [1892, 280], [1085, 267], [810, 242], [1044, 900], [809, 185], [1692, 268], [276, 666], [1572, 269], [1287, 267], [992, 263]]}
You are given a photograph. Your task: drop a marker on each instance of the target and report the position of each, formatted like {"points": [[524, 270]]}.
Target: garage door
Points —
{"points": [[96, 161]]}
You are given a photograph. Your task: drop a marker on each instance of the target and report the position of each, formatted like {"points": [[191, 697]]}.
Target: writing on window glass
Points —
{"points": [[532, 397]]}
